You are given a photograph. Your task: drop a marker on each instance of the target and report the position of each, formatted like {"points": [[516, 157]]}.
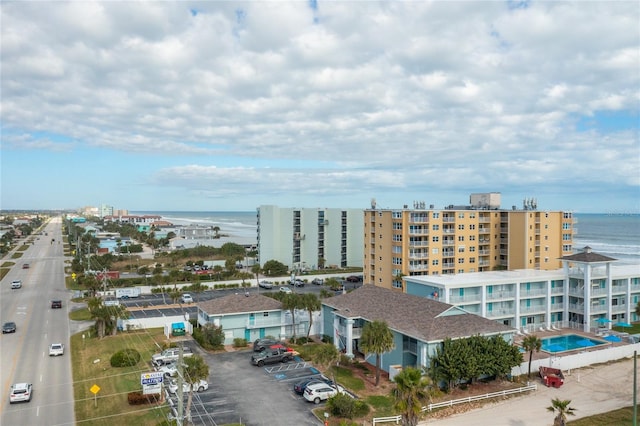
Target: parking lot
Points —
{"points": [[242, 393]]}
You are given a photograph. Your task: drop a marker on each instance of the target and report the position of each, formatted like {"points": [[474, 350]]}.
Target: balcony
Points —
{"points": [[557, 306], [356, 332], [448, 243], [275, 322], [494, 313], [418, 231], [557, 290], [576, 307], [483, 263], [414, 268], [599, 291], [472, 298], [448, 219], [576, 291], [484, 230], [532, 309], [536, 292], [418, 255], [620, 308], [616, 289], [418, 243], [501, 295]]}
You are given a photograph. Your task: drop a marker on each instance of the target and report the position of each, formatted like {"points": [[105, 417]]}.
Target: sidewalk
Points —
{"points": [[592, 390]]}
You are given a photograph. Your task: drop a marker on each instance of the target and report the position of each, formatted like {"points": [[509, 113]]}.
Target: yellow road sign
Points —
{"points": [[95, 389]]}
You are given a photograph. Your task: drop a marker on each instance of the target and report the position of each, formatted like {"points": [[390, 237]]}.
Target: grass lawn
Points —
{"points": [[91, 366]]}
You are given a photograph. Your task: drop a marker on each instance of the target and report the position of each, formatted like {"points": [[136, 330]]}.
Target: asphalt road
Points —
{"points": [[25, 354]]}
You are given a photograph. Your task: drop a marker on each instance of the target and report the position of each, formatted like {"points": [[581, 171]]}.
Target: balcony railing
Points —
{"points": [[618, 288], [501, 295], [557, 290], [356, 332], [533, 292], [619, 308], [500, 313], [472, 298], [418, 243], [532, 309]]}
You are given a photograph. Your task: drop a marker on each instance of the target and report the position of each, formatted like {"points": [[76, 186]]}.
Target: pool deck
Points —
{"points": [[545, 334]]}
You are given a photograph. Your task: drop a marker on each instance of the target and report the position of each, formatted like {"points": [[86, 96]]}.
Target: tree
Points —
{"points": [[292, 302], [311, 304], [529, 344], [376, 338], [561, 407], [410, 394], [326, 356], [256, 270], [273, 268], [195, 369]]}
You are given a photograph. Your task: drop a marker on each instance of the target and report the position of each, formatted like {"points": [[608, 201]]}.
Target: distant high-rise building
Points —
{"points": [[458, 239], [106, 210], [310, 238]]}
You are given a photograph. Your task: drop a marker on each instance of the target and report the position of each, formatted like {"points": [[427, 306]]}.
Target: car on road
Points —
{"points": [[56, 349], [285, 290], [199, 386], [56, 304], [317, 281], [317, 392], [265, 284], [354, 278], [261, 344], [186, 298], [9, 327], [16, 284], [25, 266], [20, 392]]}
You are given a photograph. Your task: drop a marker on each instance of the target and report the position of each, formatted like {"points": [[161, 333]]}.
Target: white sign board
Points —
{"points": [[154, 378], [151, 389]]}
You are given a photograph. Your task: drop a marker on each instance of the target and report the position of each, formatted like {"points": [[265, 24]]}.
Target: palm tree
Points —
{"points": [[561, 407], [326, 356], [376, 338], [531, 343], [195, 369], [216, 229], [292, 302], [311, 304], [410, 394], [256, 270]]}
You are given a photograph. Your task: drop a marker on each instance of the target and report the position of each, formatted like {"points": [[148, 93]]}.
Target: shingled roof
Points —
{"points": [[425, 319], [239, 303], [587, 256]]}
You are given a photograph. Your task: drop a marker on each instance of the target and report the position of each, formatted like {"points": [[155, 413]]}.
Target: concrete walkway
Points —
{"points": [[592, 390]]}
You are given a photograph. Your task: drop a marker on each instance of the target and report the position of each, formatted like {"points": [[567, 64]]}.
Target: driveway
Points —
{"points": [[592, 390], [250, 396]]}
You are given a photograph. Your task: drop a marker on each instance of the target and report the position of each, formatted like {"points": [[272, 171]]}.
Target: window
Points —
{"points": [[472, 226], [397, 226], [461, 249], [472, 215], [396, 215], [436, 227], [566, 237], [436, 215], [566, 247], [461, 260], [472, 248], [435, 239], [460, 237], [435, 262], [460, 227], [472, 237], [396, 261], [397, 238], [434, 251], [461, 271], [472, 260], [460, 215], [396, 249]]}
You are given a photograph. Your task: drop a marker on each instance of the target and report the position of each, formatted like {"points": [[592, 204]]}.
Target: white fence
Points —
{"points": [[453, 402]]}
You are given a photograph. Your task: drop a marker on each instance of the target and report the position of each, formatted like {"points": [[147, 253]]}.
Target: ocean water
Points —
{"points": [[613, 235]]}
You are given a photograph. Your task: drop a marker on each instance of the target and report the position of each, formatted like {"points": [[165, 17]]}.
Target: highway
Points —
{"points": [[25, 354]]}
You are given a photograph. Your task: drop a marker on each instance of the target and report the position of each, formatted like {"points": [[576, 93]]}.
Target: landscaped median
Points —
{"points": [[91, 366]]}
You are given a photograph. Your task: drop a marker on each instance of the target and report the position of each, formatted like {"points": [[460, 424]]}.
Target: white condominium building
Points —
{"points": [[587, 293], [310, 238]]}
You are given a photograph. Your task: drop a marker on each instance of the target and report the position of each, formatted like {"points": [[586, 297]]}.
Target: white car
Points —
{"points": [[200, 386], [265, 284], [186, 298], [316, 392], [56, 349], [169, 370], [20, 392], [16, 284], [285, 290]]}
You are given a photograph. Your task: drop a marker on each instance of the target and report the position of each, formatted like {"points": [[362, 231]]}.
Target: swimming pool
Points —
{"points": [[569, 342]]}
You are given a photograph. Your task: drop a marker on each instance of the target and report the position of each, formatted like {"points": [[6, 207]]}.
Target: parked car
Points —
{"points": [[9, 327], [297, 282], [56, 349], [20, 392], [186, 298], [317, 281], [169, 370], [301, 386], [354, 278], [25, 266], [261, 344], [285, 290], [200, 386], [317, 392], [266, 284], [56, 304], [16, 284]]}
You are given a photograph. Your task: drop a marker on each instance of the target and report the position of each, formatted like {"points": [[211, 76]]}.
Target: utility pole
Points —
{"points": [[635, 388], [180, 389]]}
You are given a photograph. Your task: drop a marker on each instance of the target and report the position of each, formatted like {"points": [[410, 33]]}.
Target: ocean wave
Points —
{"points": [[607, 248]]}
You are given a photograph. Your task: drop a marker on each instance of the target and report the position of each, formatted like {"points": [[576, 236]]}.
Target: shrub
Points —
{"points": [[343, 405], [125, 358], [326, 338], [239, 342], [138, 398], [209, 336]]}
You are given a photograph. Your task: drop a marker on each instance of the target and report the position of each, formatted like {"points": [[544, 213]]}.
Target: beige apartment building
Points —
{"points": [[461, 239]]}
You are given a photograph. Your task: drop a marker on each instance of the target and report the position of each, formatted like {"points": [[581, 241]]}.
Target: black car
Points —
{"points": [[8, 327], [354, 279], [302, 385], [260, 344]]}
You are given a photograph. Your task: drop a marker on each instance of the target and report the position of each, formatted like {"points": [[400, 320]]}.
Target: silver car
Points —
{"points": [[56, 349]]}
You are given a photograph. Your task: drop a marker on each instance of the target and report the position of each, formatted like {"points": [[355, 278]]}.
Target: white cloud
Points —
{"points": [[354, 97]]}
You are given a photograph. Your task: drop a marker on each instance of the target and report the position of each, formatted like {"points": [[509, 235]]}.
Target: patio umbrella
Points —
{"points": [[623, 324], [603, 320], [585, 343], [612, 338]]}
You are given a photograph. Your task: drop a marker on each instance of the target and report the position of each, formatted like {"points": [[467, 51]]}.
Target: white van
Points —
{"points": [[16, 284]]}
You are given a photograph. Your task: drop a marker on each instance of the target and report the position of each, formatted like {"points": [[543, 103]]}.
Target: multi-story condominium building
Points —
{"points": [[588, 292], [310, 238], [461, 239], [106, 210]]}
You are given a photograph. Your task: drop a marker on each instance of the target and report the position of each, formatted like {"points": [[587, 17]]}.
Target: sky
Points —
{"points": [[226, 106]]}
